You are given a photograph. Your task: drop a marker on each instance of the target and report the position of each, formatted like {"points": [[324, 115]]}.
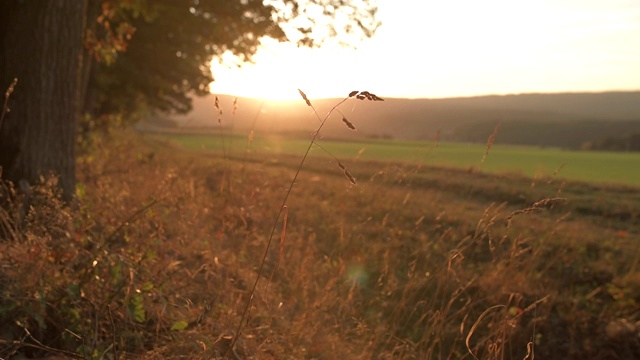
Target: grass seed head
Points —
{"points": [[217, 105], [350, 177], [348, 123], [536, 207], [304, 96], [365, 95], [490, 141], [5, 108], [12, 86]]}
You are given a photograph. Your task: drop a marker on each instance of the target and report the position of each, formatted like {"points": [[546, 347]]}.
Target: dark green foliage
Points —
{"points": [[614, 143], [168, 55], [586, 134]]}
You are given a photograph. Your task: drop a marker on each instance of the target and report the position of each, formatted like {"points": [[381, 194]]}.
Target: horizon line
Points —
{"points": [[571, 92]]}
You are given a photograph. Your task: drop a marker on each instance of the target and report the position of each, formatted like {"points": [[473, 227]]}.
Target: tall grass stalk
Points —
{"points": [[361, 95], [490, 141], [251, 134], [226, 175]]}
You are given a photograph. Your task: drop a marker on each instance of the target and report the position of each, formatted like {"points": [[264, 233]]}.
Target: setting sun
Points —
{"points": [[280, 69]]}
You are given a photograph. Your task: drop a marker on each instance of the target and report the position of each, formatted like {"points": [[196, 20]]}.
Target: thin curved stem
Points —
{"points": [[277, 219]]}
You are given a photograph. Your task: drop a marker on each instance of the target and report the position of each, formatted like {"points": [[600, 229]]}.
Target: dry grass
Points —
{"points": [[361, 95], [490, 141], [156, 260]]}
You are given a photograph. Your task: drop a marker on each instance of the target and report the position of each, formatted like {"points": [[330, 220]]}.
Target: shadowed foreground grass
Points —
{"points": [[156, 259]]}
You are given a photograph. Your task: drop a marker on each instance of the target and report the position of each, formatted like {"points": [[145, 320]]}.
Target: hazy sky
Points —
{"points": [[429, 48]]}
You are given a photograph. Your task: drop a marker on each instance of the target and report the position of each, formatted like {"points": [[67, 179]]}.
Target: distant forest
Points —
{"points": [[587, 121], [579, 134]]}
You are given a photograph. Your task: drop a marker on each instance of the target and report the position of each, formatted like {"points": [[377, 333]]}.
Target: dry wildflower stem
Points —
{"points": [[7, 94], [557, 170], [250, 136], [537, 206], [226, 175], [490, 141], [39, 345], [283, 206], [346, 172], [530, 354], [283, 235], [477, 323]]}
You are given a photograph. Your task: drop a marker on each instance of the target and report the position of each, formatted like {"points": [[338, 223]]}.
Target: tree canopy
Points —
{"points": [[172, 44]]}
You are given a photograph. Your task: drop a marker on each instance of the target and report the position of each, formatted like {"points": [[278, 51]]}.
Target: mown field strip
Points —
{"points": [[597, 167]]}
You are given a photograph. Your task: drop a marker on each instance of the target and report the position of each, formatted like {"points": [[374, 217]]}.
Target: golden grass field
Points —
{"points": [[157, 257]]}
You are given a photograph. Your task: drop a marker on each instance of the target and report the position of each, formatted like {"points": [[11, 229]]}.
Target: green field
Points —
{"points": [[597, 167]]}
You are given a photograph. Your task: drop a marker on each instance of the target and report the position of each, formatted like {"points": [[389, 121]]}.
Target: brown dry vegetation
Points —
{"points": [[157, 257]]}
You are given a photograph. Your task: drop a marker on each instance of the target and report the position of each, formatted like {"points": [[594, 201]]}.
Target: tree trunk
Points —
{"points": [[41, 44]]}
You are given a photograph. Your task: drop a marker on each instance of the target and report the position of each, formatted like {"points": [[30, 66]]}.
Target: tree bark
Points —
{"points": [[41, 44]]}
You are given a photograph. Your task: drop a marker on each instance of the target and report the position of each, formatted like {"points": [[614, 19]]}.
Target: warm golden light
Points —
{"points": [[279, 71], [445, 49]]}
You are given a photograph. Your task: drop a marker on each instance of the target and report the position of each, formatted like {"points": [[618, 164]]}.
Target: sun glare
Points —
{"points": [[436, 50], [280, 69]]}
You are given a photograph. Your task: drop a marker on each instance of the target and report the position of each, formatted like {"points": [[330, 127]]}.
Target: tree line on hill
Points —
{"points": [[573, 135], [589, 121], [624, 143]]}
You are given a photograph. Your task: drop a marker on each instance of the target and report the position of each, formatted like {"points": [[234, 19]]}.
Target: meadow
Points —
{"points": [[587, 166], [406, 257]]}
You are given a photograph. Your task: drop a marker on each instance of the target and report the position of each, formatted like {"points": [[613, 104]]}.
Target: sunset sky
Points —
{"points": [[428, 48]]}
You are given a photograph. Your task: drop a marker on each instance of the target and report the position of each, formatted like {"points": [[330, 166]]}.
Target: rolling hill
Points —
{"points": [[564, 120]]}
